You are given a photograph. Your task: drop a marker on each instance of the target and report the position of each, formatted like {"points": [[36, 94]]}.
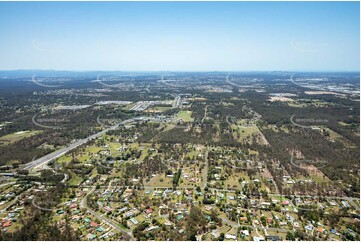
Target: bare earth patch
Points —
{"points": [[319, 92], [314, 171], [281, 99]]}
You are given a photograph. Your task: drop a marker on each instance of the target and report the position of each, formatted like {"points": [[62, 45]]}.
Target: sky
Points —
{"points": [[180, 36]]}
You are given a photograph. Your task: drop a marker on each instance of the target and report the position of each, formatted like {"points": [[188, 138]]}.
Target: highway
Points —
{"points": [[56, 154], [293, 81], [230, 82]]}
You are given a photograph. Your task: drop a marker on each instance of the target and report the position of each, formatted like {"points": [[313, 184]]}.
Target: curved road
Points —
{"points": [[205, 113], [299, 125]]}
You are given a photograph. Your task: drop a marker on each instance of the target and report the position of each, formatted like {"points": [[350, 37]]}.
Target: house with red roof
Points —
{"points": [[93, 224], [107, 208], [7, 224], [73, 205], [269, 220], [286, 203]]}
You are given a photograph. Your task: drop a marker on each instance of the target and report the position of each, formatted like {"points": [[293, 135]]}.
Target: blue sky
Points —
{"points": [[179, 36]]}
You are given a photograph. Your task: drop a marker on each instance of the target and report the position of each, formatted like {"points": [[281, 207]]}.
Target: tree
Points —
{"points": [[221, 237], [290, 236]]}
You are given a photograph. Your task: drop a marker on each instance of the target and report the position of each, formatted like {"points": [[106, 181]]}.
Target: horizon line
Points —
{"points": [[65, 70]]}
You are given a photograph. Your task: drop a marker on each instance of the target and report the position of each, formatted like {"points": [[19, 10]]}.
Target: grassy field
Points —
{"points": [[186, 116], [11, 138], [3, 124], [75, 180], [301, 103], [161, 181], [319, 179], [197, 99], [192, 155], [227, 104], [159, 109], [336, 136], [296, 104], [243, 131], [232, 183], [333, 134], [343, 124], [129, 106], [64, 158]]}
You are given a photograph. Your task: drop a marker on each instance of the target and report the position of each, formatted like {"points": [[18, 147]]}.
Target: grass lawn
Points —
{"points": [[11, 138], [144, 154], [161, 220], [197, 99], [333, 134], [296, 104], [186, 116], [343, 124], [134, 146], [232, 182], [5, 205], [318, 178], [64, 158], [83, 157], [169, 127], [114, 148], [129, 106], [159, 109], [140, 218], [13, 228], [75, 180], [156, 181], [94, 173], [224, 228], [227, 104], [93, 149], [192, 155], [243, 131], [3, 124]]}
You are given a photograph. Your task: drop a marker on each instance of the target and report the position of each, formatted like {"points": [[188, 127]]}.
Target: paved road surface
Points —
{"points": [[234, 224], [205, 173], [49, 157], [293, 81], [104, 219], [230, 82], [9, 205], [205, 113]]}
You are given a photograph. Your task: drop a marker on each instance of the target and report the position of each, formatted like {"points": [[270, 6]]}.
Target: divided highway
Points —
{"points": [[56, 154]]}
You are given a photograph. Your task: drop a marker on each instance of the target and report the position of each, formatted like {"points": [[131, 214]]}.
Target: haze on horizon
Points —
{"points": [[180, 36]]}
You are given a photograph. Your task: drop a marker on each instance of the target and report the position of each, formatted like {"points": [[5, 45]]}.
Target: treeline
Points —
{"points": [[339, 159], [46, 176], [176, 178], [71, 125]]}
